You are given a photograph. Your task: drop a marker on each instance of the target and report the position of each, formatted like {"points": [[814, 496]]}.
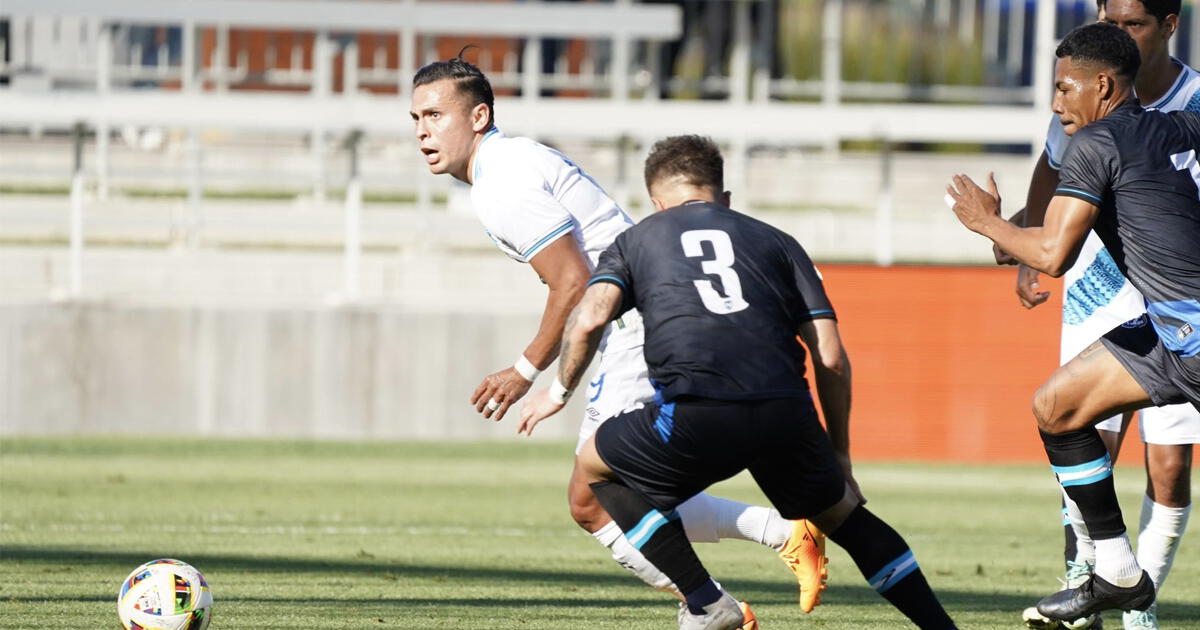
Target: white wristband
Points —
{"points": [[526, 369], [559, 393]]}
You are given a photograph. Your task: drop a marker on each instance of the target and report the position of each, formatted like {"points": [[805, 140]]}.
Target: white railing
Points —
{"points": [[72, 63]]}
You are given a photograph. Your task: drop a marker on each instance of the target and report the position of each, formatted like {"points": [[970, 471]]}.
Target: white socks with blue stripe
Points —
{"points": [[629, 557], [710, 519], [1158, 538]]}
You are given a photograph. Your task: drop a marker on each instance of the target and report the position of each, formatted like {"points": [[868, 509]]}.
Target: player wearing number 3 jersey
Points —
{"points": [[538, 207], [723, 297]]}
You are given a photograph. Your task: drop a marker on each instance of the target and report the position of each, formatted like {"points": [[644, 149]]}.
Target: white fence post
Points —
{"points": [[1043, 66], [104, 62], [352, 263], [831, 62], [75, 264]]}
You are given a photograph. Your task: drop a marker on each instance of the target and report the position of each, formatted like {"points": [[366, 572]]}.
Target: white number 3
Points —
{"points": [[720, 266]]}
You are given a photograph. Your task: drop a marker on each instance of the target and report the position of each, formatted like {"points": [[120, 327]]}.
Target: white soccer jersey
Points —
{"points": [[1097, 298], [528, 195]]}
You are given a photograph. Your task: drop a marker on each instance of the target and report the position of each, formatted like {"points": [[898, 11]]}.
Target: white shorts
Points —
{"points": [[622, 381]]}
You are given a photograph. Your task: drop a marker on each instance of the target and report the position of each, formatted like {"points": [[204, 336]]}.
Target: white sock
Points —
{"points": [[1085, 547], [709, 519], [1116, 563], [629, 557], [1158, 538]]}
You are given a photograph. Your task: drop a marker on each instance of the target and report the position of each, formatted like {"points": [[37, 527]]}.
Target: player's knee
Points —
{"points": [[1171, 473], [585, 509], [1052, 417]]}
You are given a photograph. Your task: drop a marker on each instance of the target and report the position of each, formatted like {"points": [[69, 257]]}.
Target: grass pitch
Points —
{"points": [[338, 535]]}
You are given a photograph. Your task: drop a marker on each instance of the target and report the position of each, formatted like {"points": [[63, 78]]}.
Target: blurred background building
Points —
{"points": [[201, 196]]}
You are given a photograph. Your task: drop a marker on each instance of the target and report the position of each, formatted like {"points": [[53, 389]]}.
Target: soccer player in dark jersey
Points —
{"points": [[1132, 176], [723, 297]]}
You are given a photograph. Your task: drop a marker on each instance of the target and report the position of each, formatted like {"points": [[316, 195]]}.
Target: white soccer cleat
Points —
{"points": [[723, 614], [1141, 619], [1035, 619]]}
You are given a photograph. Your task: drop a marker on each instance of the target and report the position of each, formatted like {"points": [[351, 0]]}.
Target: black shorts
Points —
{"points": [[672, 453], [1165, 376]]}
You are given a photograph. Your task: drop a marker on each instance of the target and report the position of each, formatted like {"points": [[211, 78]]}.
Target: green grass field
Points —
{"points": [[335, 535]]}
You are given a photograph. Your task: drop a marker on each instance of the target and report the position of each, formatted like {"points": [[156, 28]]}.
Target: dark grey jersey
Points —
{"points": [[1140, 167], [722, 296]]}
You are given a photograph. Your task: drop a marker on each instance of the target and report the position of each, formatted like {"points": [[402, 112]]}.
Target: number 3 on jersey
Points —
{"points": [[721, 266]]}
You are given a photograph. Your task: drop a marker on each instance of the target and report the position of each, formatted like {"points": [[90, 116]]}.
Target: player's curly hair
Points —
{"points": [[469, 79], [696, 159], [1104, 44]]}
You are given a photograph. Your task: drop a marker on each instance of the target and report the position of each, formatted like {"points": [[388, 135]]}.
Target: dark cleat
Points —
{"points": [[1096, 595]]}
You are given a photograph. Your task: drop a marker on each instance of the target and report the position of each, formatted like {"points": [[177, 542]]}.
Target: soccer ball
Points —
{"points": [[165, 594]]}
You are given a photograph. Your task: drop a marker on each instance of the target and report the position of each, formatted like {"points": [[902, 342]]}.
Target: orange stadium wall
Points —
{"points": [[946, 362]]}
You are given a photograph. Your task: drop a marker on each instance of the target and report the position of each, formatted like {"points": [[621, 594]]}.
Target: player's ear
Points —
{"points": [[659, 206], [1170, 23], [481, 118], [726, 198], [1105, 85]]}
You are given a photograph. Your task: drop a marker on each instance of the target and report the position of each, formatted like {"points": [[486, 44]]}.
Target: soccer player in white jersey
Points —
{"points": [[1098, 298], [541, 209]]}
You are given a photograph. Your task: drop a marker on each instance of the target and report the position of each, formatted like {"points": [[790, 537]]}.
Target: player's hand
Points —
{"points": [[973, 205], [498, 392], [537, 408], [1027, 287], [848, 472]]}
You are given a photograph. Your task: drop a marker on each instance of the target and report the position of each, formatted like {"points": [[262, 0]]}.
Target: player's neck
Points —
{"points": [[1156, 78], [468, 175]]}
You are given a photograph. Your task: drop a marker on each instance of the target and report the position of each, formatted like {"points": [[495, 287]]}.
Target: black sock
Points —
{"points": [[1070, 541], [1084, 470], [660, 537], [890, 568]]}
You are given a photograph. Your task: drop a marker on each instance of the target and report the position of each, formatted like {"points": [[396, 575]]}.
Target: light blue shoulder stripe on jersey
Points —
{"points": [[1078, 192], [821, 311], [1050, 158], [1183, 75], [1193, 104], [537, 247], [475, 173], [1099, 285], [893, 572], [644, 530], [615, 280]]}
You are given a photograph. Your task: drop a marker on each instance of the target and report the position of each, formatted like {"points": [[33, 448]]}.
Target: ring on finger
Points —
{"points": [[493, 404]]}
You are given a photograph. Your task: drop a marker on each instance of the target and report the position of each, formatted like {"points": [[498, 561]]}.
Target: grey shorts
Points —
{"points": [[1165, 376]]}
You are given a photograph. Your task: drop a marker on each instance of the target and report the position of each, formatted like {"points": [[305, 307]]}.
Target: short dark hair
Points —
{"points": [[469, 79], [1105, 44], [1159, 10], [696, 159]]}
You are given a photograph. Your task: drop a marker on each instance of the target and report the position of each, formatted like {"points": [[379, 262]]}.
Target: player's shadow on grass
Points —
{"points": [[849, 589]]}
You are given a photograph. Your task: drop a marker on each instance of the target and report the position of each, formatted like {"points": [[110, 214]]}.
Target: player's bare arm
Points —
{"points": [[831, 368], [1042, 184], [562, 267], [1050, 248], [581, 337]]}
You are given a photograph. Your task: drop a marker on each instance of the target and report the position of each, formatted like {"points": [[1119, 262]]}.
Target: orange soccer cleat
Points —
{"points": [[804, 554], [749, 621]]}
